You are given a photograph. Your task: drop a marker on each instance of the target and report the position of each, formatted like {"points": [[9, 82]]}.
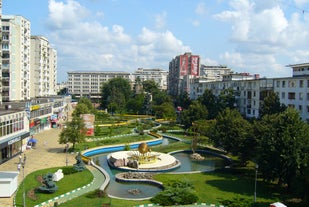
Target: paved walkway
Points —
{"points": [[47, 153]]}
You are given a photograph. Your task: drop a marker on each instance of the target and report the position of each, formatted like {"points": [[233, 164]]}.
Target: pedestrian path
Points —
{"points": [[95, 184], [47, 153]]}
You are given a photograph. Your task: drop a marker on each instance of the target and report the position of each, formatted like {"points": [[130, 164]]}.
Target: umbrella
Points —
{"points": [[33, 140], [277, 204]]}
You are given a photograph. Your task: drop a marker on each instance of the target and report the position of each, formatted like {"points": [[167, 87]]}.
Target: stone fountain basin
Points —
{"points": [[164, 162]]}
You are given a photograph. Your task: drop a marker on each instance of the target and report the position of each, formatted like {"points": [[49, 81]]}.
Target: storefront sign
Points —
{"points": [[14, 140], [35, 107]]}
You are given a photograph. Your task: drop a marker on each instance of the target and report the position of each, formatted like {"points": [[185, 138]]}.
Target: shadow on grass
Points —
{"points": [[243, 183]]}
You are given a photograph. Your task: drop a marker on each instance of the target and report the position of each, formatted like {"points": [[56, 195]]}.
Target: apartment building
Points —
{"points": [[15, 58], [43, 64], [214, 72], [294, 91], [1, 52], [250, 90], [88, 84], [182, 69], [159, 76]]}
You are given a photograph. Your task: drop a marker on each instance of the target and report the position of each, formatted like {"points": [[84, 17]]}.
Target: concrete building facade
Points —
{"points": [[182, 70], [159, 76], [88, 84], [15, 58], [43, 64]]}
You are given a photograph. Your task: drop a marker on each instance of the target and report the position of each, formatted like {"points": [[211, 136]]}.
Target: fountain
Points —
{"points": [[142, 159]]}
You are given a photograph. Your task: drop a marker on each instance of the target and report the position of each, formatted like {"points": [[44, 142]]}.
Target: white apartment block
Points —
{"points": [[294, 91], [214, 73], [250, 91], [15, 58], [159, 76], [43, 64], [88, 84]]}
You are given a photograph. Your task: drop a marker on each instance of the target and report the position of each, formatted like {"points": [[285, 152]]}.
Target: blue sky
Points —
{"points": [[255, 36]]}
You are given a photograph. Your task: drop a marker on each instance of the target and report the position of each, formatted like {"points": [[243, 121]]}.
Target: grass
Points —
{"points": [[66, 184], [212, 188]]}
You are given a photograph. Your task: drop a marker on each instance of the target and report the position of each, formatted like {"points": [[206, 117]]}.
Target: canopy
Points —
{"points": [[277, 204], [33, 140]]}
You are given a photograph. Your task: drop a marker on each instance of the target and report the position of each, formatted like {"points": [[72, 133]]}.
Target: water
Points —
{"points": [[210, 163], [121, 190]]}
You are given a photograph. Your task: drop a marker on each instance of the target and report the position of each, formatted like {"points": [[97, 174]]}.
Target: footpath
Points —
{"points": [[46, 154]]}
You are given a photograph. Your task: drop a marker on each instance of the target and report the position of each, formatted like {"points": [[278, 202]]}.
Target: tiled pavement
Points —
{"points": [[47, 153]]}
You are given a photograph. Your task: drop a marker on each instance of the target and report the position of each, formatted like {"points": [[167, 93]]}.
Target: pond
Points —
{"points": [[122, 190]]}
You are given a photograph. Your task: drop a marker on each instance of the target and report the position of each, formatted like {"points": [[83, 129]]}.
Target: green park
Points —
{"points": [[269, 155]]}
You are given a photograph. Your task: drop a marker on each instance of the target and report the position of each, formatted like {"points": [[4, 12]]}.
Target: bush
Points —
{"points": [[68, 170], [176, 193]]}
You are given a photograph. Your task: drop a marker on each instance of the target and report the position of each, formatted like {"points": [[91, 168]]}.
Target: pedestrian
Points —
{"points": [[19, 158], [18, 167], [25, 158]]}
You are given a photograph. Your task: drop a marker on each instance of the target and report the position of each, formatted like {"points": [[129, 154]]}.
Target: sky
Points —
{"points": [[253, 36]]}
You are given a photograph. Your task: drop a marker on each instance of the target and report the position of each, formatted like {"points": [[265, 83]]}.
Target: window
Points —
{"points": [[278, 84], [283, 95], [307, 96], [283, 84], [300, 108], [291, 84], [291, 96], [301, 83], [301, 96]]}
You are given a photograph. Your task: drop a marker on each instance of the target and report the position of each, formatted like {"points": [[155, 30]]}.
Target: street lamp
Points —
{"points": [[66, 153], [256, 171], [22, 164], [66, 149]]}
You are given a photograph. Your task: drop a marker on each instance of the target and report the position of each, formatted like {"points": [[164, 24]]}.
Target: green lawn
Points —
{"points": [[67, 184], [212, 188]]}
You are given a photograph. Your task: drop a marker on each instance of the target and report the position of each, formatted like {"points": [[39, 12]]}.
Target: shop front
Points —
{"points": [[12, 146]]}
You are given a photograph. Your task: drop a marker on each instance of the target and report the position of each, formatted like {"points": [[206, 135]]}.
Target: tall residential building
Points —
{"points": [[1, 52], [88, 84], [15, 58], [182, 69], [43, 64], [159, 76], [214, 72]]}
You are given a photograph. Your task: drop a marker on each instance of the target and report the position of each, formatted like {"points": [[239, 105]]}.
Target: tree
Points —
{"points": [[283, 146], [150, 86], [74, 132], [87, 102], [234, 134], [226, 99], [135, 103], [271, 105], [165, 110], [80, 109], [196, 111], [183, 100], [115, 94], [209, 100]]}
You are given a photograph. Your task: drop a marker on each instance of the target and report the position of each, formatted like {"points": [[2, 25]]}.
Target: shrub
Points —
{"points": [[68, 170], [176, 193]]}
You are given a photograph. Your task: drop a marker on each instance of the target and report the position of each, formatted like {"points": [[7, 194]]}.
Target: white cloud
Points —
{"points": [[262, 33], [160, 20], [201, 9], [90, 45], [65, 15]]}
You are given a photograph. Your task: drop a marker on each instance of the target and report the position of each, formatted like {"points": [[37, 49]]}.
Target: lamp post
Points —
{"points": [[256, 171], [66, 153], [22, 164]]}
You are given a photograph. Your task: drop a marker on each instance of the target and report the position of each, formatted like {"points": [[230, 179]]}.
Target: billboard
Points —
{"points": [[183, 65], [195, 65], [89, 123]]}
